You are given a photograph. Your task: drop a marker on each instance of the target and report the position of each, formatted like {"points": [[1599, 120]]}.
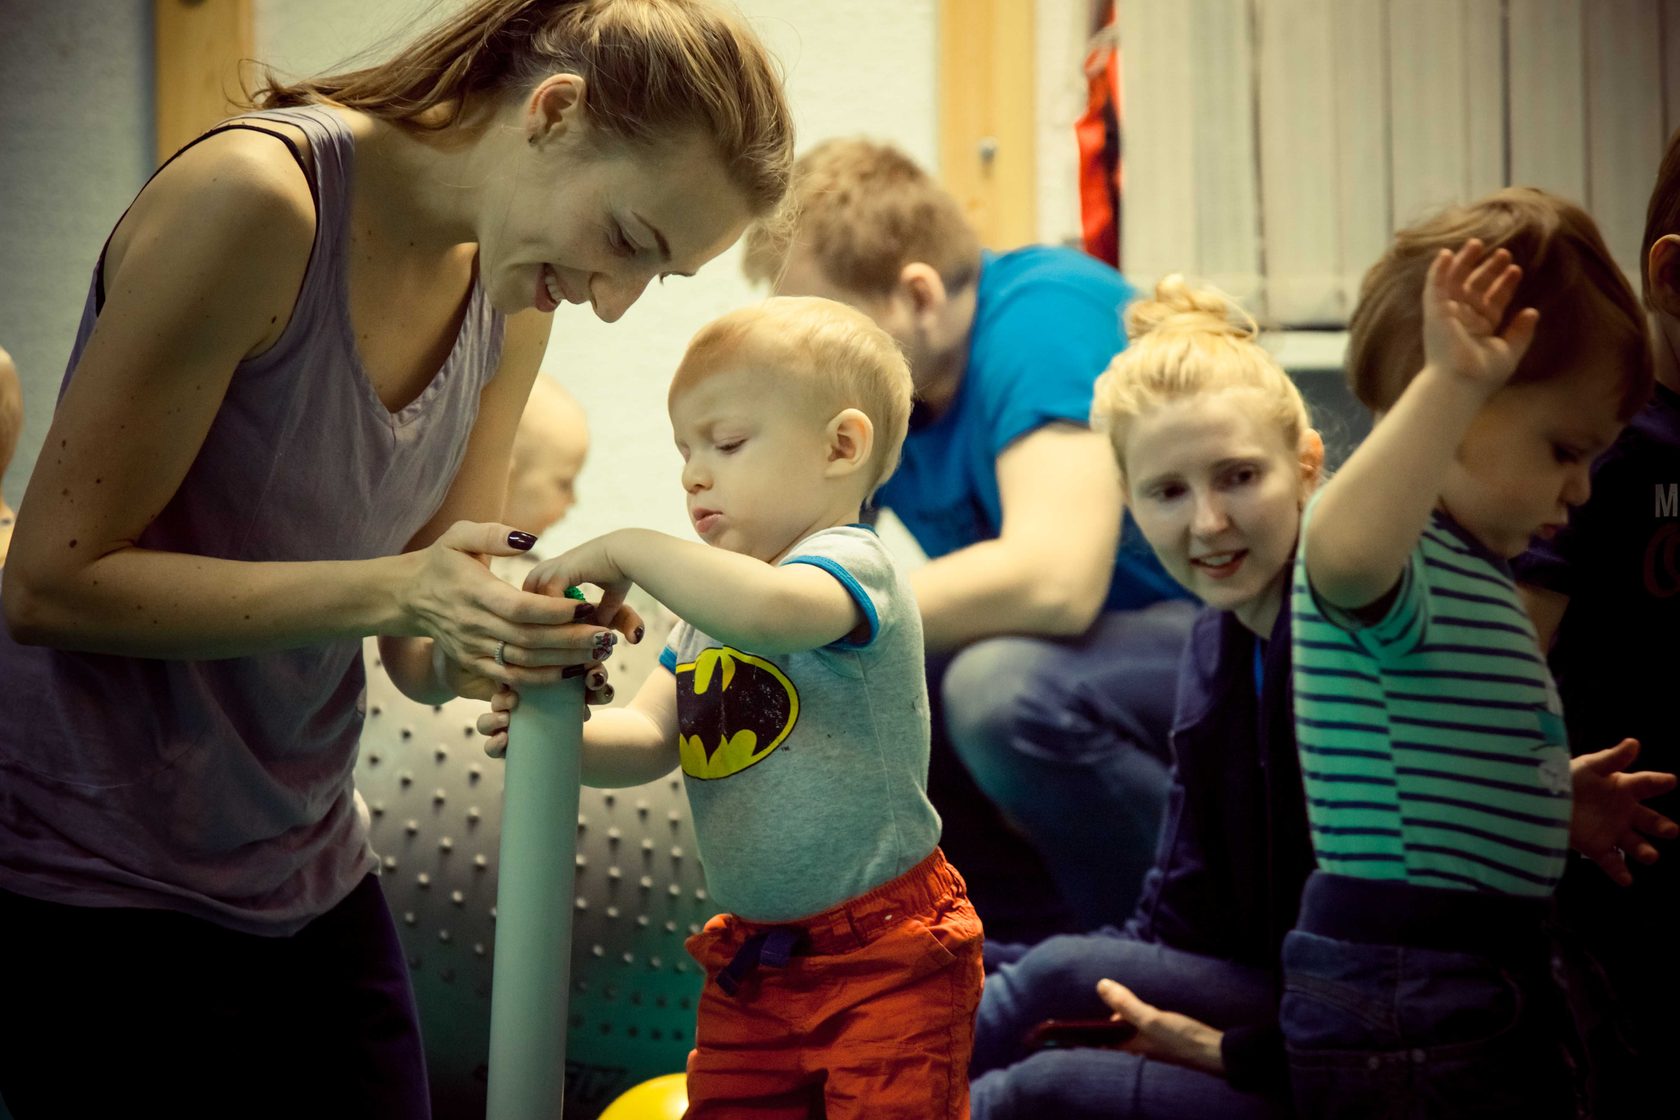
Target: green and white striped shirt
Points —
{"points": [[1432, 741]]}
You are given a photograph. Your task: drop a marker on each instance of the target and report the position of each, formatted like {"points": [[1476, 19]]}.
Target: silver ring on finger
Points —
{"points": [[501, 654]]}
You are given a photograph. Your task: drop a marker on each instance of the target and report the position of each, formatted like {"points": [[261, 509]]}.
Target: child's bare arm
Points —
{"points": [[1545, 609], [733, 598], [634, 745], [1372, 512]]}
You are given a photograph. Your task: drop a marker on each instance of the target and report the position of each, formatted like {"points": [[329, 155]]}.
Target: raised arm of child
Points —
{"points": [[735, 598], [1371, 514]]}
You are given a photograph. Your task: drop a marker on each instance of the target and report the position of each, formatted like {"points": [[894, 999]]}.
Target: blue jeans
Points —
{"points": [[1068, 737], [1057, 979], [1402, 1031]]}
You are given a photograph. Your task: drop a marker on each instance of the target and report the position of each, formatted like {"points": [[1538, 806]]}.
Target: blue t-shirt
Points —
{"points": [[1047, 321]]}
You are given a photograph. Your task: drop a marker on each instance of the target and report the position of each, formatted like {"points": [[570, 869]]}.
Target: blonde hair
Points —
{"points": [[1587, 310], [11, 409], [832, 352], [651, 68], [865, 210], [1185, 342]]}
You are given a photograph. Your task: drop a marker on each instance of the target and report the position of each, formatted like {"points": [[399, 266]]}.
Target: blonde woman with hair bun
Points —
{"points": [[286, 427], [1217, 456]]}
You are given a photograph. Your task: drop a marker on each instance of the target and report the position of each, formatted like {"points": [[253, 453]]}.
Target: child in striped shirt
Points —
{"points": [[1432, 744]]}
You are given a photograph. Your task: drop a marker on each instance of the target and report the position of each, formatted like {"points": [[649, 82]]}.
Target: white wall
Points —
{"points": [[76, 142], [863, 66]]}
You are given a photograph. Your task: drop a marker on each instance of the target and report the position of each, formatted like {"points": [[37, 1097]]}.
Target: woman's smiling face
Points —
{"points": [[588, 218], [1218, 495]]}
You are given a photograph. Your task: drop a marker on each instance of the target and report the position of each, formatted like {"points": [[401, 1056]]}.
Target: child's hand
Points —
{"points": [[1464, 298], [591, 562], [494, 723], [1609, 824]]}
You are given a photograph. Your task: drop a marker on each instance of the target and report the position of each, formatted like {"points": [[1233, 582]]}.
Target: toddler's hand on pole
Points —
{"points": [[493, 724], [591, 563]]}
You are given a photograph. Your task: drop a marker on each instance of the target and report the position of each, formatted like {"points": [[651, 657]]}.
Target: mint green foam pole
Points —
{"points": [[531, 981]]}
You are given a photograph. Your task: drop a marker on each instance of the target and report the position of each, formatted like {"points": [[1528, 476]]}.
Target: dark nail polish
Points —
{"points": [[585, 613], [640, 630], [520, 540], [573, 671], [605, 694], [596, 680]]}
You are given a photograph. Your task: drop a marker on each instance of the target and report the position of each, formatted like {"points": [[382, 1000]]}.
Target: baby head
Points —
{"points": [[1526, 457], [548, 452], [788, 415], [1216, 452]]}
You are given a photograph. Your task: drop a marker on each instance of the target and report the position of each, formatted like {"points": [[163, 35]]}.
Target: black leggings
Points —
{"points": [[121, 1012]]}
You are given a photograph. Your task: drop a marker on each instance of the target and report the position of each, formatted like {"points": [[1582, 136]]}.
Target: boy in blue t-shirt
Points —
{"points": [[847, 971], [1055, 632]]}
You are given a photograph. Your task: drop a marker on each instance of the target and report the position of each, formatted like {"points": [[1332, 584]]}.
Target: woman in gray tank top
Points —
{"points": [[286, 426]]}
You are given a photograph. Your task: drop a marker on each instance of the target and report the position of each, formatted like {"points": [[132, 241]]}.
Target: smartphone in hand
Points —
{"points": [[1105, 1034]]}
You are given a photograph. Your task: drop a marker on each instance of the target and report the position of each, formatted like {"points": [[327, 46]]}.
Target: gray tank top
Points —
{"points": [[223, 788]]}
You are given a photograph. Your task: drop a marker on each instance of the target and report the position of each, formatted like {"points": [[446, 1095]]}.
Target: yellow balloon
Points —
{"points": [[662, 1098]]}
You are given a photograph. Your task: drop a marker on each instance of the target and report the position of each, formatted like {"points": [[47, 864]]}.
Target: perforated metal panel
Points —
{"points": [[434, 802]]}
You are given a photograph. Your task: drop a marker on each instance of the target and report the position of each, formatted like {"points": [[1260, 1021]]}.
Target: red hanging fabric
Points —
{"points": [[1098, 132]]}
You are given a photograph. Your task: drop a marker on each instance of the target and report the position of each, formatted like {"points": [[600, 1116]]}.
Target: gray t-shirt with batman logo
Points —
{"points": [[807, 771]]}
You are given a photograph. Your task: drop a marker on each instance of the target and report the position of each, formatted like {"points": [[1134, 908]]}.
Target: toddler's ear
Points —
{"points": [[1662, 273], [851, 438]]}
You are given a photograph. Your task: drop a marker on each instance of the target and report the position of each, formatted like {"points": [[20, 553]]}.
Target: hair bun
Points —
{"points": [[1176, 306]]}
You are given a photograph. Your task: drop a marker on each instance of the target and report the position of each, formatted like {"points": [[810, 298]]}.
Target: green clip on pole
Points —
{"points": [[531, 983]]}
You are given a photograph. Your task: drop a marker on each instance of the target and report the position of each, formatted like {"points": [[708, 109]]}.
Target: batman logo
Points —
{"points": [[733, 709]]}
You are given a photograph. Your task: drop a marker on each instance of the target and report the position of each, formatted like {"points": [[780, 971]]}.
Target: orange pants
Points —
{"points": [[872, 1016]]}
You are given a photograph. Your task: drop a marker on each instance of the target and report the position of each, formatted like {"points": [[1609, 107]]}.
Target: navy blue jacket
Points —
{"points": [[1234, 852]]}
